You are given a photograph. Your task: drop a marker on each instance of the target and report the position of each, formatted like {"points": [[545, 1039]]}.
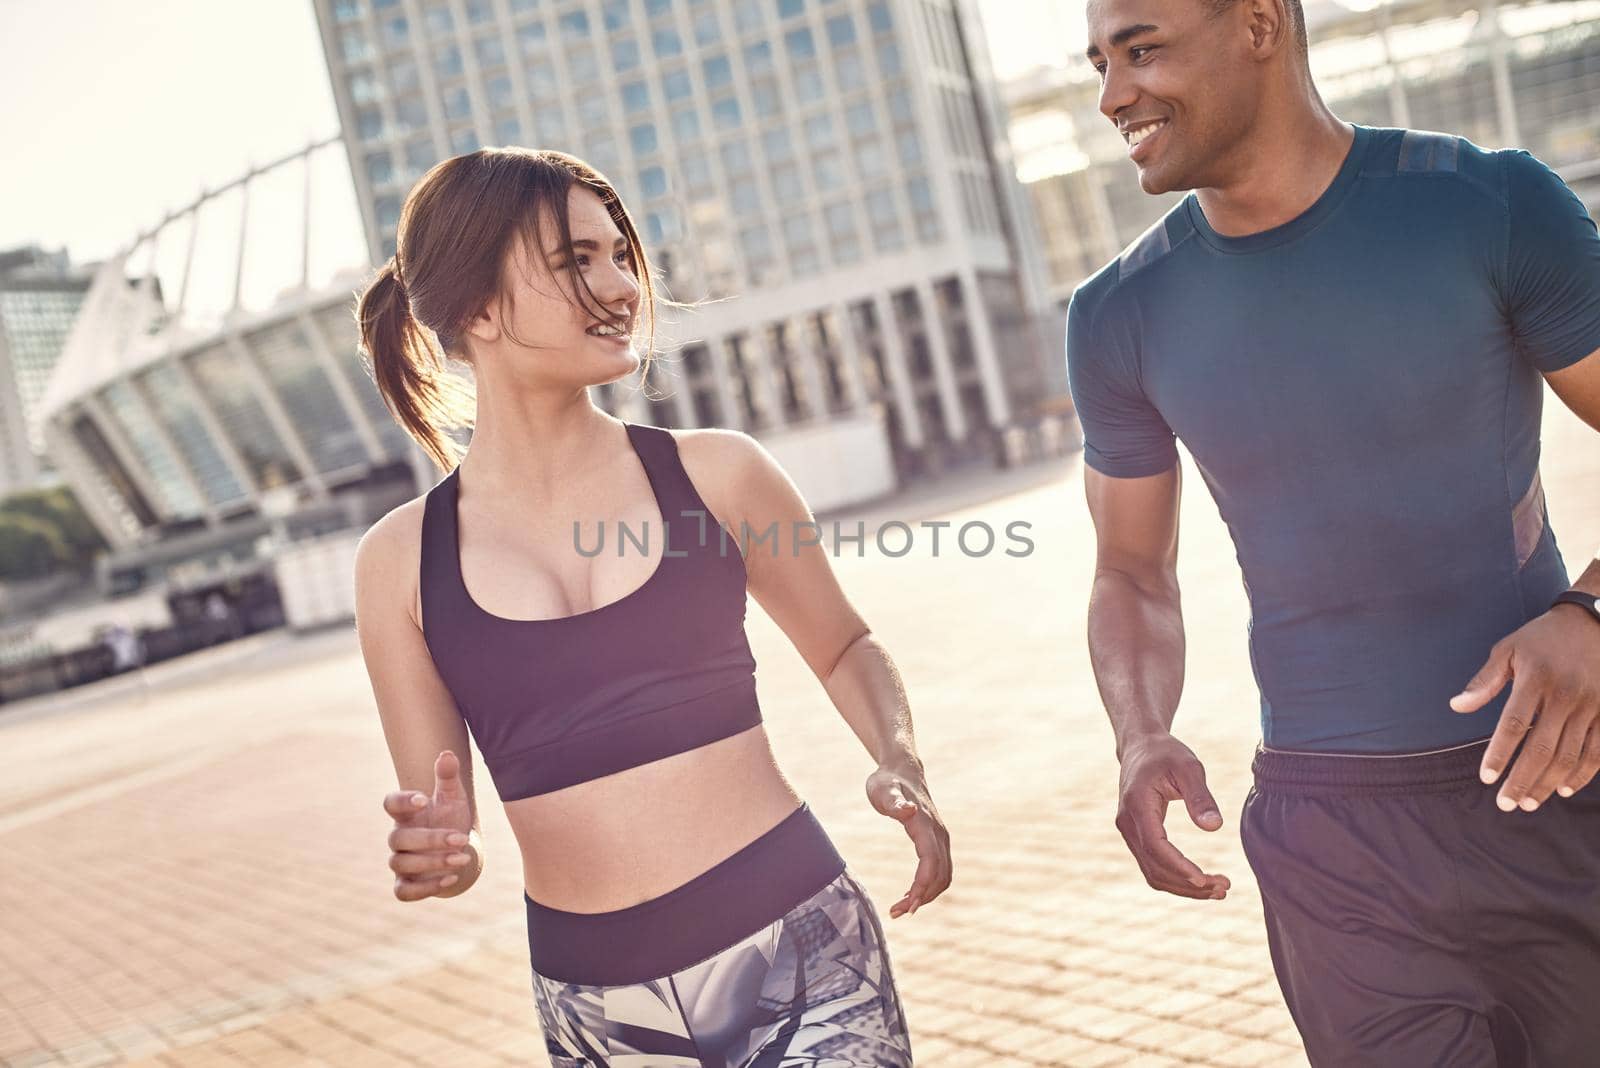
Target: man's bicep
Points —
{"points": [[1578, 386], [1124, 435], [1552, 276], [1136, 523]]}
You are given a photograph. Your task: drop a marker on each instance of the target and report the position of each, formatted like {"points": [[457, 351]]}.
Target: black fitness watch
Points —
{"points": [[1587, 601]]}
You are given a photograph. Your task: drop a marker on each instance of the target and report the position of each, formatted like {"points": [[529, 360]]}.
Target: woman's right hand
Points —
{"points": [[431, 841]]}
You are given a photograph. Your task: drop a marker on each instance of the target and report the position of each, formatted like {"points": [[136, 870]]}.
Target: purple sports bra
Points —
{"points": [[665, 669]]}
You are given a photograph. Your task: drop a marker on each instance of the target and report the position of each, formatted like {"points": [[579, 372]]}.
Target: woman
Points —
{"points": [[683, 904]]}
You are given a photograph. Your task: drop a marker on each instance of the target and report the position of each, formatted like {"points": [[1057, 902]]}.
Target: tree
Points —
{"points": [[73, 541], [30, 548]]}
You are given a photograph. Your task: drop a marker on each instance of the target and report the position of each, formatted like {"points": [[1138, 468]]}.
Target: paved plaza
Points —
{"points": [[193, 863]]}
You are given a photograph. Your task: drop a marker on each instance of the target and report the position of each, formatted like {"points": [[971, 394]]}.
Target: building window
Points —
{"points": [[675, 85], [889, 58], [747, 14], [777, 145], [354, 46], [380, 167], [457, 103], [501, 94], [447, 61], [850, 72], [736, 158], [842, 236], [756, 243], [786, 183], [533, 38], [819, 131], [758, 57], [438, 18], [666, 43], [808, 84], [725, 113], [800, 44], [396, 31], [718, 72], [491, 52], [614, 14], [744, 196], [635, 97], [624, 54], [885, 220], [859, 118], [643, 138], [685, 124], [575, 26], [910, 147], [706, 30], [363, 87], [403, 75], [653, 181], [764, 98], [828, 168], [411, 114], [369, 124], [419, 157], [583, 66], [841, 30]]}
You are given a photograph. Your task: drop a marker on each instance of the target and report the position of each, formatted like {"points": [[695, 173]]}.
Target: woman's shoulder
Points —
{"points": [[389, 555], [719, 461]]}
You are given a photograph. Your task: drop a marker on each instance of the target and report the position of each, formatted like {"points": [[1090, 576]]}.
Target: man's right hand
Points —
{"points": [[430, 841], [1155, 772]]}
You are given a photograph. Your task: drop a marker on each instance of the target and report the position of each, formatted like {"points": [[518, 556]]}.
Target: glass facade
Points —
{"points": [[285, 357], [174, 405], [177, 497], [227, 388]]}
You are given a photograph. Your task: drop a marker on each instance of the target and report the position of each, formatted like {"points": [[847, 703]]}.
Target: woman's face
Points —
{"points": [[545, 310]]}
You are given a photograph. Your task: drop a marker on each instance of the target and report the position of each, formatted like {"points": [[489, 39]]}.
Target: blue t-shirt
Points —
{"points": [[1360, 389]]}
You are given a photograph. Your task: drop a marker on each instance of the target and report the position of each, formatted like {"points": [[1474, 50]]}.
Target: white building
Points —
{"points": [[1499, 73], [210, 388], [40, 294], [834, 173]]}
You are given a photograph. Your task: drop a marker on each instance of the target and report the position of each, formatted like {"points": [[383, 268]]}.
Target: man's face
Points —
{"points": [[1178, 83]]}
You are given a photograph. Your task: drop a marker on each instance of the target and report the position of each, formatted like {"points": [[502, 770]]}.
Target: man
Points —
{"points": [[1350, 329]]}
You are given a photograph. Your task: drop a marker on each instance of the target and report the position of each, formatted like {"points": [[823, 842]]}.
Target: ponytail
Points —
{"points": [[411, 373]]}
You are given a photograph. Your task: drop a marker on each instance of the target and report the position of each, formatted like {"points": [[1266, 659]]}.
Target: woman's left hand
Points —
{"points": [[903, 795]]}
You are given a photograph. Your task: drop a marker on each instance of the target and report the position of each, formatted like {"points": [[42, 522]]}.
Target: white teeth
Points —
{"points": [[605, 331], [1139, 134]]}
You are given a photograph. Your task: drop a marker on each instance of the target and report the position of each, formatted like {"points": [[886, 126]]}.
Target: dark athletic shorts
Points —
{"points": [[1414, 924]]}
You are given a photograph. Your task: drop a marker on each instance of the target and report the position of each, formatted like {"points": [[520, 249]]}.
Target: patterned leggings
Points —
{"points": [[812, 989]]}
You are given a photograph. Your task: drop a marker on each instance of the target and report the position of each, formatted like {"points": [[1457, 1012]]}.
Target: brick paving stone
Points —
{"points": [[206, 852]]}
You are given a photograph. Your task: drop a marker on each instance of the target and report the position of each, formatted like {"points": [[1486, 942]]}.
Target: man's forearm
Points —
{"points": [[1136, 646], [1589, 581]]}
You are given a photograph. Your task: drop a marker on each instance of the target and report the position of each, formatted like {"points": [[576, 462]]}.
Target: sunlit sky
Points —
{"points": [[116, 112]]}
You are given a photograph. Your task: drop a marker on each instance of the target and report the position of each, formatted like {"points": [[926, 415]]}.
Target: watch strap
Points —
{"points": [[1587, 601]]}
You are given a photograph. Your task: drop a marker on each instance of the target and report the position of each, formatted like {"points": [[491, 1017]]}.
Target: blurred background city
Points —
{"points": [[887, 202]]}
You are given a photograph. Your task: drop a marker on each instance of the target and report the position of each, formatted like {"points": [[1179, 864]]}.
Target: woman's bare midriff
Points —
{"points": [[628, 837]]}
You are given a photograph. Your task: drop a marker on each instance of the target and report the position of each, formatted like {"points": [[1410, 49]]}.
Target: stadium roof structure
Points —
{"points": [[280, 234]]}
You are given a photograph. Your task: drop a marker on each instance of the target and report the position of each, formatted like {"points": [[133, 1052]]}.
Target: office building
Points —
{"points": [[834, 173]]}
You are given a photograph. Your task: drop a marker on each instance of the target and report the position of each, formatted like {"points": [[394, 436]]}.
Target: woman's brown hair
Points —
{"points": [[456, 229]]}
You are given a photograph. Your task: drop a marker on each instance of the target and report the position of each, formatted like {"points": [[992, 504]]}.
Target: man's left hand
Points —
{"points": [[1553, 665]]}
